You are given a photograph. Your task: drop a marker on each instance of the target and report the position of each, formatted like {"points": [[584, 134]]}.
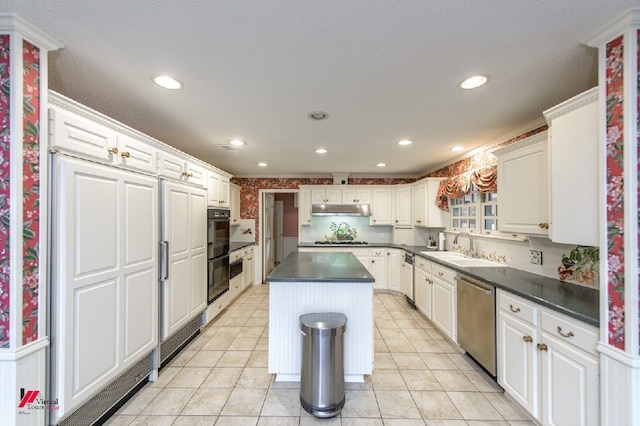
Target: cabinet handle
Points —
{"points": [[440, 273], [527, 339], [569, 334], [113, 150], [125, 154], [543, 225], [516, 310], [542, 347]]}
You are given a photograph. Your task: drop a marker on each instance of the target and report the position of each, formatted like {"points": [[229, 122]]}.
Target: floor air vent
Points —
{"points": [[97, 410], [178, 340]]}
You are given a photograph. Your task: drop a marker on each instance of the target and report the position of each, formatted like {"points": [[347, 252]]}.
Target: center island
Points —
{"points": [[307, 283]]}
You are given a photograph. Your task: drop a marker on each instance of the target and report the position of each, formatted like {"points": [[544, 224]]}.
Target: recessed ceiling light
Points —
{"points": [[456, 148], [262, 164], [474, 81], [405, 142], [318, 115], [321, 151], [167, 82], [380, 165], [237, 142]]}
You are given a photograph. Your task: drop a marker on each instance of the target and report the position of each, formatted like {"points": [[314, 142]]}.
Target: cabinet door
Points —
{"points": [[235, 205], [381, 206], [570, 385], [522, 179], [418, 198], [333, 195], [406, 282], [443, 306], [435, 217], [318, 196], [136, 154], [395, 259], [573, 158], [223, 195], [213, 189], [304, 207], [196, 174], [170, 166], [402, 211], [378, 262], [517, 358], [73, 133], [423, 289]]}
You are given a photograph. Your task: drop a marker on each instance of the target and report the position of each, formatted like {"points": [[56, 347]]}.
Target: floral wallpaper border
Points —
{"points": [[5, 147], [615, 191], [30, 191]]}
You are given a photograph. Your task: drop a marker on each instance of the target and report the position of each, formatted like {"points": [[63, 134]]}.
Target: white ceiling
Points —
{"points": [[384, 70]]}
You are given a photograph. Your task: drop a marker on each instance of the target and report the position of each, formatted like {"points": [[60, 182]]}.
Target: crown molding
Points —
{"points": [[10, 22], [615, 28]]}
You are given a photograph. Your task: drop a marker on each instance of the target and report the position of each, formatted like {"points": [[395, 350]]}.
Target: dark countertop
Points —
{"points": [[582, 303], [320, 267], [233, 246]]}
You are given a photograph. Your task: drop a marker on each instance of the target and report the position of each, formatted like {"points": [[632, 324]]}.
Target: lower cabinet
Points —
{"points": [[548, 362], [443, 312], [395, 259], [423, 284], [406, 279], [247, 267], [378, 267]]}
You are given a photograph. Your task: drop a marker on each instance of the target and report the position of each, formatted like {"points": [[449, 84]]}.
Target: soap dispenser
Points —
{"points": [[441, 241]]}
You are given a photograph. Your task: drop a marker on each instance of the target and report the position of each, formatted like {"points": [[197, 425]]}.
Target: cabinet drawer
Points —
{"points": [[378, 252], [570, 330], [442, 273], [423, 265], [235, 255], [518, 307]]}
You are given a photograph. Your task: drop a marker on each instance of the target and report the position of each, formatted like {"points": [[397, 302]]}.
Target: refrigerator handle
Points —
{"points": [[164, 260]]}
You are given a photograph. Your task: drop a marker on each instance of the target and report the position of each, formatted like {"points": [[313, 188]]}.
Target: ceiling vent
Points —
{"points": [[228, 147], [340, 178]]}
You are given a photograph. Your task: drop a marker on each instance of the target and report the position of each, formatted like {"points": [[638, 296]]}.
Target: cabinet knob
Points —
{"points": [[440, 273], [527, 339], [542, 347], [396, 220], [125, 154], [373, 261], [543, 226], [516, 310], [569, 334], [113, 150]]}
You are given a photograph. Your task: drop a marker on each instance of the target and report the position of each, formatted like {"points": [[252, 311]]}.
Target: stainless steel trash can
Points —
{"points": [[322, 376]]}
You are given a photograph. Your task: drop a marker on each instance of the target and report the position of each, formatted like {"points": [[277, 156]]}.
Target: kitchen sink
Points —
{"points": [[458, 259]]}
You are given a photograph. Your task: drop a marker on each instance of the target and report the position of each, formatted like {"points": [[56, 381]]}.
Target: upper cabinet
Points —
{"points": [[523, 188], [179, 169], [304, 207], [573, 166], [330, 195], [425, 211], [380, 206], [402, 207], [234, 207], [218, 194], [356, 195]]}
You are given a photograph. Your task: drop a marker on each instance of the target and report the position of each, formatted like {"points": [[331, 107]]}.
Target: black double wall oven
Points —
{"points": [[217, 253]]}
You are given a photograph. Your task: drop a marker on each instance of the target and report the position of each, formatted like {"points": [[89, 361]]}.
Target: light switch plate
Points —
{"points": [[535, 257]]}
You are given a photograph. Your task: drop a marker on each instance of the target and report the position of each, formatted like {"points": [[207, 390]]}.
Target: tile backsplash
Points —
{"points": [[320, 229]]}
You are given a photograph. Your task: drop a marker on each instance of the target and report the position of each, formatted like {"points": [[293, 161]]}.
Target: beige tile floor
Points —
{"points": [[221, 378]]}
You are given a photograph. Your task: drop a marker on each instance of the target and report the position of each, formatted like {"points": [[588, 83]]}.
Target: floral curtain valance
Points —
{"points": [[485, 180]]}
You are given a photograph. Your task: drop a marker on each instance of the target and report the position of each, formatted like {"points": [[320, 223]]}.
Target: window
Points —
{"points": [[475, 212]]}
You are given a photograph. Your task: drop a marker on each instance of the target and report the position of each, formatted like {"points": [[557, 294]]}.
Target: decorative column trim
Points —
{"points": [[11, 22]]}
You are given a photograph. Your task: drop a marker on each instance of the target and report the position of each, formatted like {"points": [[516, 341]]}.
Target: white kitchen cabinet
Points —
{"points": [[184, 227], [522, 182], [402, 211], [425, 211], [423, 286], [573, 165], [330, 195], [356, 195], [223, 194], [218, 190], [247, 267], [395, 259], [304, 207], [234, 213], [381, 207], [105, 297], [176, 168], [406, 279], [548, 362], [74, 133], [378, 267], [443, 297]]}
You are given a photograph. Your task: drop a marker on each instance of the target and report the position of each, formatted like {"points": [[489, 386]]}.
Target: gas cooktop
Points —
{"points": [[341, 243]]}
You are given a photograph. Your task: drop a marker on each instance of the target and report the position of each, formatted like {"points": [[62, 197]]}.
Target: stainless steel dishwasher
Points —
{"points": [[476, 319]]}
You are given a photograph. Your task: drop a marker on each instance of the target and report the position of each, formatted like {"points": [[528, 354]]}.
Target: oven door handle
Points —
{"points": [[164, 260]]}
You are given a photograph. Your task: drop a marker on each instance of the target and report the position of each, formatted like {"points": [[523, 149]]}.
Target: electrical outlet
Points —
{"points": [[535, 257]]}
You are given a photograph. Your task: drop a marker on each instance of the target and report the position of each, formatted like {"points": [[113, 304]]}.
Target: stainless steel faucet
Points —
{"points": [[455, 241]]}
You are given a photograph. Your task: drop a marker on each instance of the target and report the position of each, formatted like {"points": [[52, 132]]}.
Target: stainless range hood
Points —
{"points": [[340, 210]]}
